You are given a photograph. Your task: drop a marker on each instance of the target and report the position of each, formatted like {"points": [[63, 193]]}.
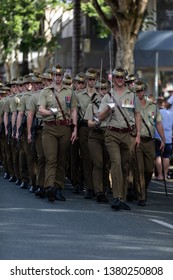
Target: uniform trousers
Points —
{"points": [[144, 165], [8, 151], [40, 158], [76, 170], [101, 161], [56, 141], [30, 153], [86, 158], [15, 155], [4, 154], [118, 145]]}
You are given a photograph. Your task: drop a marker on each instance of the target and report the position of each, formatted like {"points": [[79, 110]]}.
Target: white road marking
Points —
{"points": [[162, 223]]}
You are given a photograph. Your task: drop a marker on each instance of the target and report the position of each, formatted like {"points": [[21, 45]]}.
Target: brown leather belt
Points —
{"points": [[58, 122], [121, 130], [146, 139]]}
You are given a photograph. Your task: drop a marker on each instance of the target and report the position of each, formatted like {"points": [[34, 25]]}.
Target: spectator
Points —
{"points": [[167, 123]]}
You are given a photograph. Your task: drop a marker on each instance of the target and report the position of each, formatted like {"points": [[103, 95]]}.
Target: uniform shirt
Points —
{"points": [[33, 104], [167, 122], [15, 102], [66, 98], [22, 106], [8, 104], [83, 100], [128, 103], [2, 103], [92, 111], [151, 114]]}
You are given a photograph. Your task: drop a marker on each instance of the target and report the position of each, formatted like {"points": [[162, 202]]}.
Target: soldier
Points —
{"points": [[57, 106], [67, 80], [145, 152], [122, 108], [96, 142], [3, 95], [21, 134], [79, 83], [8, 130], [34, 127], [84, 98]]}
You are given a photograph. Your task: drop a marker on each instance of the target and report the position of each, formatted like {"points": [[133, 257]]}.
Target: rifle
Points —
{"points": [[9, 128], [21, 130], [35, 125]]}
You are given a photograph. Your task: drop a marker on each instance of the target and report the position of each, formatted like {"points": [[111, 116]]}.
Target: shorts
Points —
{"points": [[167, 153]]}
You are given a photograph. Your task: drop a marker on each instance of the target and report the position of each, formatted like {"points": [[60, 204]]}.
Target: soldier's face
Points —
{"points": [[140, 94], [102, 91], [14, 88], [91, 82], [29, 86], [119, 80], [58, 78], [79, 85]]}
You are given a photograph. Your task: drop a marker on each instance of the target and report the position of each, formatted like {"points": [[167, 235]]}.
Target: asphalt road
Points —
{"points": [[79, 229]]}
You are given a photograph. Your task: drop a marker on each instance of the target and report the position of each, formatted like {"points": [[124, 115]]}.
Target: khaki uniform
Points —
{"points": [[28, 148], [118, 139], [56, 134], [145, 153], [9, 143], [16, 150], [76, 164], [98, 150], [83, 100], [37, 127], [3, 138]]}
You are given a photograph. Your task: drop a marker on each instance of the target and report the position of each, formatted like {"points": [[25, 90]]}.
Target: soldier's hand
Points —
{"points": [[29, 138], [74, 135], [137, 140], [162, 146], [54, 111]]}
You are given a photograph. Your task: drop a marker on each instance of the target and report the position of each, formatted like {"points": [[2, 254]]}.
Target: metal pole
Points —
{"points": [[156, 74]]}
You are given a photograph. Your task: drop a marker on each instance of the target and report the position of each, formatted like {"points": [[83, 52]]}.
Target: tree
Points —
{"points": [[123, 18], [25, 27]]}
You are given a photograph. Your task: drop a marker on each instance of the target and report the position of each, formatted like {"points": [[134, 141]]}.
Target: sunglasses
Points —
{"points": [[138, 91], [91, 79], [119, 77], [82, 83]]}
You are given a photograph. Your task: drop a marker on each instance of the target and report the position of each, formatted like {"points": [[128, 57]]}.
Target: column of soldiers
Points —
{"points": [[97, 128]]}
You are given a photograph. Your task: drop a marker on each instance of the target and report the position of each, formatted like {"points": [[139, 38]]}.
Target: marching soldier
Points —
{"points": [[79, 83], [58, 108], [8, 130], [122, 108], [21, 135], [83, 99], [145, 152], [96, 142], [34, 127], [3, 96]]}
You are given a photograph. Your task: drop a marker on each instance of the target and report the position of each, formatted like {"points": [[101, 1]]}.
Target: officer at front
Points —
{"points": [[123, 110]]}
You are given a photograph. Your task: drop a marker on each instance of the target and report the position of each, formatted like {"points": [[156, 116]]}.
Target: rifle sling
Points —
{"points": [[59, 104], [146, 125], [124, 117]]}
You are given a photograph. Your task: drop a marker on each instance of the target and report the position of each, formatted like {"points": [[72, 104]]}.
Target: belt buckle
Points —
{"points": [[57, 122]]}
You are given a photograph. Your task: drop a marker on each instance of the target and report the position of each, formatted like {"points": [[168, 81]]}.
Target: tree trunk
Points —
{"points": [[76, 39], [25, 64]]}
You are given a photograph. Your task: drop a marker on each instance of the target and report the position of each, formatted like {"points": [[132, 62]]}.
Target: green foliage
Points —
{"points": [[20, 24], [88, 9]]}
